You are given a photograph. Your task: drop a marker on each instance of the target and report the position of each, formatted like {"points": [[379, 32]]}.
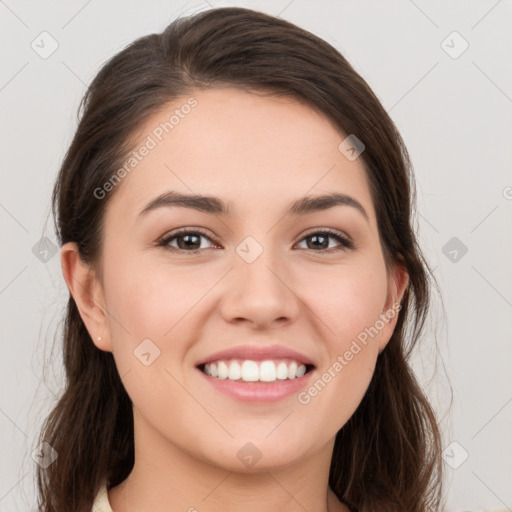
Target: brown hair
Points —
{"points": [[388, 455]]}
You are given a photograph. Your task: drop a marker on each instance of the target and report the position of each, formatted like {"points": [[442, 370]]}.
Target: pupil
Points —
{"points": [[316, 237], [317, 240], [187, 238]]}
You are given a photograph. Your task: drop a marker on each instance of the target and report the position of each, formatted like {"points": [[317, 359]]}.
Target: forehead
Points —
{"points": [[248, 148]]}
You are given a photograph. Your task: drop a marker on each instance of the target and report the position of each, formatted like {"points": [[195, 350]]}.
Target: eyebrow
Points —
{"points": [[214, 205]]}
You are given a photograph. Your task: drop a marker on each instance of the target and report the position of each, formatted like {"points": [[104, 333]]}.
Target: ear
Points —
{"points": [[397, 284], [87, 292]]}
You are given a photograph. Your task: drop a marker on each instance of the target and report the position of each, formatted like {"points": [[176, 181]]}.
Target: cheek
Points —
{"points": [[148, 308], [347, 300], [149, 300], [347, 303]]}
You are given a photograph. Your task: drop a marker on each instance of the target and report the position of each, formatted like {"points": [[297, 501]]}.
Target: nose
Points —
{"points": [[260, 293]]}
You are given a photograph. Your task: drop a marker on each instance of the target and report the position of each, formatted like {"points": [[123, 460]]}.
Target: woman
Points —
{"points": [[234, 214]]}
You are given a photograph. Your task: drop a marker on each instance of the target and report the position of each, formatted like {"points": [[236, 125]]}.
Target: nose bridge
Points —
{"points": [[258, 289], [256, 264]]}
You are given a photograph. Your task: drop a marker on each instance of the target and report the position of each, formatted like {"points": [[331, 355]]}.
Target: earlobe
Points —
{"points": [[87, 292]]}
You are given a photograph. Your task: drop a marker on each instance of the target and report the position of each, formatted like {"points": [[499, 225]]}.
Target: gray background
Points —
{"points": [[454, 112]]}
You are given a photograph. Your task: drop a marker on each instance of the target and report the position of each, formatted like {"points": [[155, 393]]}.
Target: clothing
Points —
{"points": [[101, 503]]}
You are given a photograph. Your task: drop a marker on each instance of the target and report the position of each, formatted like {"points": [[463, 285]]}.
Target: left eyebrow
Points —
{"points": [[214, 205]]}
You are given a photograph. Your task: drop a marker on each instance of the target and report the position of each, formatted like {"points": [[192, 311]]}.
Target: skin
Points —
{"points": [[257, 153]]}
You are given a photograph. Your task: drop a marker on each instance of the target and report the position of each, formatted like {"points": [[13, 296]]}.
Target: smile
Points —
{"points": [[256, 371]]}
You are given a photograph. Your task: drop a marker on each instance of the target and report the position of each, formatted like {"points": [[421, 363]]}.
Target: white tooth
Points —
{"points": [[301, 370], [282, 371], [222, 370], [250, 371], [292, 370], [213, 369], [234, 371], [267, 371]]}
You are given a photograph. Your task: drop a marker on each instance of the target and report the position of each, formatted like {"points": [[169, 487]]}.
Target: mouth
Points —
{"points": [[256, 373], [261, 371]]}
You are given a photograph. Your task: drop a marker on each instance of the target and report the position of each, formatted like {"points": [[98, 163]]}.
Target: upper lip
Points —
{"points": [[257, 353]]}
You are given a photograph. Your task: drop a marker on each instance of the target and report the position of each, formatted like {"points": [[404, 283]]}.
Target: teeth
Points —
{"points": [[250, 371], [235, 372], [268, 371], [301, 370], [292, 370], [282, 371], [254, 371], [222, 369]]}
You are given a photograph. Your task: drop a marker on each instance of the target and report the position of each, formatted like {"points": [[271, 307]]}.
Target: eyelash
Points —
{"points": [[345, 243]]}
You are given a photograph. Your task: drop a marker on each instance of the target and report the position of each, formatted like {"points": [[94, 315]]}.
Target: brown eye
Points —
{"points": [[319, 241], [186, 241]]}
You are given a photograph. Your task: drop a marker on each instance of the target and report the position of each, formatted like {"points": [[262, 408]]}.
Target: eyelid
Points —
{"points": [[331, 231], [345, 241], [163, 240]]}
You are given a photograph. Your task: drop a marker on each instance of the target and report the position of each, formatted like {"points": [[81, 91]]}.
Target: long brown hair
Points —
{"points": [[388, 455]]}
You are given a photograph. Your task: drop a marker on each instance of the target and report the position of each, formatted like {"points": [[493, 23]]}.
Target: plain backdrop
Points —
{"points": [[442, 71]]}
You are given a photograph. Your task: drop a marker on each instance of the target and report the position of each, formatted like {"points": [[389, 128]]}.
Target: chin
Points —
{"points": [[254, 456]]}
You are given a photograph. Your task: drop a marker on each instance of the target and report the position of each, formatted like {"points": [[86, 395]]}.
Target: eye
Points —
{"points": [[320, 240], [187, 240]]}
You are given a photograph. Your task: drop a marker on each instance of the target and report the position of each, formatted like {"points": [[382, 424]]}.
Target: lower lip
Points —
{"points": [[258, 391]]}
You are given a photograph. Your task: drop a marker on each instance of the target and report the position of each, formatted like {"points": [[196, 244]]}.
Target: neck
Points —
{"points": [[165, 477]]}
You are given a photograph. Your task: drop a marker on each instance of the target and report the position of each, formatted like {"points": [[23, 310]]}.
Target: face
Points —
{"points": [[304, 285]]}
